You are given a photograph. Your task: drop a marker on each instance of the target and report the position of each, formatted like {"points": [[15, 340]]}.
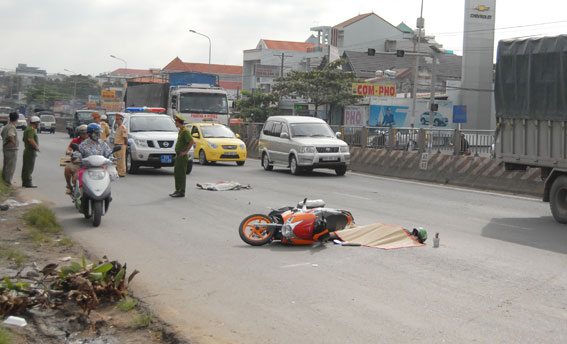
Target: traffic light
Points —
{"points": [[371, 52], [400, 53]]}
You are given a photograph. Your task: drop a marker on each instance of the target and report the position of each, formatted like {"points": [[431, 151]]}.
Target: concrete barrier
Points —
{"points": [[469, 171]]}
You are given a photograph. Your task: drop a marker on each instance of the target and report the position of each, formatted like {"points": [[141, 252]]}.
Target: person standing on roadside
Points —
{"points": [[105, 128], [121, 138], [10, 149], [184, 143], [31, 148]]}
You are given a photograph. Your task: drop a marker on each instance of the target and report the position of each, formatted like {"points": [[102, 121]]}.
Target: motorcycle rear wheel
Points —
{"points": [[252, 235]]}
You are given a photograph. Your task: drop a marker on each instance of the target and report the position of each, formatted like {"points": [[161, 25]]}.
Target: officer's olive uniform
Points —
{"points": [[105, 132], [184, 139], [29, 155], [10, 152]]}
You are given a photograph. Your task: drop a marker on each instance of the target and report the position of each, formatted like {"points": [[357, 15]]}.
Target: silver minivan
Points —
{"points": [[302, 143]]}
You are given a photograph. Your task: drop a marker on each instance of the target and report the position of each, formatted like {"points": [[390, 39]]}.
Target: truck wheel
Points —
{"points": [[558, 199], [131, 165]]}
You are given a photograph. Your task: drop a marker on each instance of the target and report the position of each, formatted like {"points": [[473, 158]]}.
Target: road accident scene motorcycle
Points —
{"points": [[311, 222], [303, 224], [91, 189]]}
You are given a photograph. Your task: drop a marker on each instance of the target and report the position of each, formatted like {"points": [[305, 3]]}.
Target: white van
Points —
{"points": [[302, 144]]}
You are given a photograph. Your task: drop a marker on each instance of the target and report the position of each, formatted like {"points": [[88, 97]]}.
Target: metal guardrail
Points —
{"points": [[443, 141]]}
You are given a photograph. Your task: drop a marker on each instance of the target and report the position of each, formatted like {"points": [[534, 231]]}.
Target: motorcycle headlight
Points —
{"points": [[141, 143], [212, 145], [96, 175], [307, 149]]}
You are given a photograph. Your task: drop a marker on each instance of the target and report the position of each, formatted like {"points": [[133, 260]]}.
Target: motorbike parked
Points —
{"points": [[94, 179], [303, 224]]}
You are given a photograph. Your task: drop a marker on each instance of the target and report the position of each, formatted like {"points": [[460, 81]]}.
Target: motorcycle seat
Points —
{"points": [[336, 222]]}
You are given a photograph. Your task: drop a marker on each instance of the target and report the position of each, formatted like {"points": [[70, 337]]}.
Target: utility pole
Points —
{"points": [[420, 25], [282, 56]]}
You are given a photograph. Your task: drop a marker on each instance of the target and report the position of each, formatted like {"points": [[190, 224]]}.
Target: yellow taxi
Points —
{"points": [[216, 142]]}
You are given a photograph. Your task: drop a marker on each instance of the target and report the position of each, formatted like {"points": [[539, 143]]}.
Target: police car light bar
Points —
{"points": [[145, 109]]}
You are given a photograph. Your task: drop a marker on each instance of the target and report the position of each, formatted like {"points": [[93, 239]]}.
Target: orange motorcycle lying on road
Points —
{"points": [[304, 224]]}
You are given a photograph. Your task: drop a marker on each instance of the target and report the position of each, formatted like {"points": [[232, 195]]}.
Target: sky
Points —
{"points": [[80, 35]]}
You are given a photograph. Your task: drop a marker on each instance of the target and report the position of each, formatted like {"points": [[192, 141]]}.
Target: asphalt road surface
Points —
{"points": [[499, 275]]}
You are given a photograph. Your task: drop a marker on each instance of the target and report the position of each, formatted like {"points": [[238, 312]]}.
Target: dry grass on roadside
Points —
{"points": [[142, 320], [43, 219], [13, 254]]}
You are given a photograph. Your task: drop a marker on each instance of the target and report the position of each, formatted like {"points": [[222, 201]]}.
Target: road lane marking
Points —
{"points": [[296, 265]]}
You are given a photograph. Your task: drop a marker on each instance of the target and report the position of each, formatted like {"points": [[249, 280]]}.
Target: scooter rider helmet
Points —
{"points": [[93, 127], [83, 129], [420, 233]]}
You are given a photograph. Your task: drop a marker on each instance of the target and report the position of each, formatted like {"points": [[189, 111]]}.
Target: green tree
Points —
{"points": [[47, 91], [327, 84], [256, 106]]}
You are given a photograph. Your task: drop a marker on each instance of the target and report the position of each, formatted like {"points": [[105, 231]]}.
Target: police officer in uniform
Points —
{"points": [[121, 138], [184, 143], [105, 128], [31, 147], [10, 149]]}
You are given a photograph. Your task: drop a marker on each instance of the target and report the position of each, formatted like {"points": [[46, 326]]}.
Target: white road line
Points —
{"points": [[451, 187], [296, 265], [353, 196]]}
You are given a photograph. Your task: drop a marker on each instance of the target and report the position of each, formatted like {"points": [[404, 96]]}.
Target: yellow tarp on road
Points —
{"points": [[379, 235]]}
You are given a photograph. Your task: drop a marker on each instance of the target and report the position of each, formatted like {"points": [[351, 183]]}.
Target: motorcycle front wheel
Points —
{"points": [[97, 213], [253, 235]]}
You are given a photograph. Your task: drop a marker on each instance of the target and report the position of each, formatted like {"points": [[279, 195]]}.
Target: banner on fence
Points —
{"points": [[356, 115], [386, 112]]}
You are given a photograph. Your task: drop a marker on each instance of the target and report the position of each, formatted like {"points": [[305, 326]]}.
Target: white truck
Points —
{"points": [[193, 95]]}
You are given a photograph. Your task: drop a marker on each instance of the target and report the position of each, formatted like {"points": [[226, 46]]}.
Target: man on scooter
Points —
{"points": [[94, 145], [75, 163]]}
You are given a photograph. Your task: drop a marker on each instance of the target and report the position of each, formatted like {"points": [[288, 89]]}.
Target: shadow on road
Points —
{"points": [[539, 232], [279, 247]]}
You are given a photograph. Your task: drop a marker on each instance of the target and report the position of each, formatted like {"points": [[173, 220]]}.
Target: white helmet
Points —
{"points": [[34, 119]]}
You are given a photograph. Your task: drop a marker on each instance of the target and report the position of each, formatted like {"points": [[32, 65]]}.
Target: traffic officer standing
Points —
{"points": [[184, 143], [121, 138], [31, 147], [105, 128], [10, 149]]}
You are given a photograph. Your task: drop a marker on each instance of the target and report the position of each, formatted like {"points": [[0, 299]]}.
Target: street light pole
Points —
{"points": [[193, 31], [420, 25], [118, 58]]}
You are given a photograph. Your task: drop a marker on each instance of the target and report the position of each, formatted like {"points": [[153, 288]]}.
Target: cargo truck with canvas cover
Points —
{"points": [[531, 112], [193, 95]]}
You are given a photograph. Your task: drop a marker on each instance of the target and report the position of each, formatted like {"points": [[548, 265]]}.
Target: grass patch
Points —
{"points": [[39, 238], [142, 320], [42, 218], [126, 304], [65, 242], [15, 255], [5, 336]]}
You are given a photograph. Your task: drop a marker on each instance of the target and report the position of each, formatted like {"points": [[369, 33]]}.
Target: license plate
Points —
{"points": [[231, 153], [329, 158], [166, 159]]}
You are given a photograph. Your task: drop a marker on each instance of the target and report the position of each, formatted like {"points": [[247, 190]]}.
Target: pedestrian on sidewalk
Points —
{"points": [[184, 143], [31, 148], [10, 149]]}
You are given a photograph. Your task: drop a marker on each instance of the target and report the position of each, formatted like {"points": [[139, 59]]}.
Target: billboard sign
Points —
{"points": [[108, 94], [267, 71], [460, 114], [385, 112], [356, 115], [366, 89]]}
